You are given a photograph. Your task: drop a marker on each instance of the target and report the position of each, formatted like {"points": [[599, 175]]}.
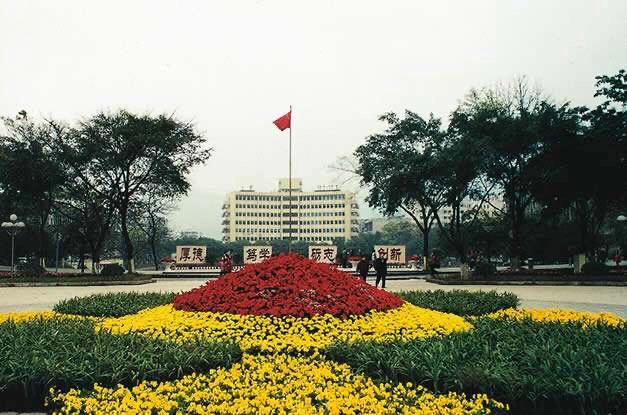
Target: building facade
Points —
{"points": [[188, 234], [376, 225], [322, 215]]}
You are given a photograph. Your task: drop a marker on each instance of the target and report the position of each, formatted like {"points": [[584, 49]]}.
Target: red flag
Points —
{"points": [[284, 122]]}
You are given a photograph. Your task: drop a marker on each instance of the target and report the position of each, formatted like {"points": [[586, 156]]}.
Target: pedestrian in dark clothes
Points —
{"points": [[362, 267], [434, 264], [381, 267]]}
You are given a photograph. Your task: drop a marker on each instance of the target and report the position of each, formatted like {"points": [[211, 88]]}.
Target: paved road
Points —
{"points": [[610, 299]]}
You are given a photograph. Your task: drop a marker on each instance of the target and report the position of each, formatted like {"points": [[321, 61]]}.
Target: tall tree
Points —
{"points": [[88, 215], [506, 120], [127, 155], [398, 167], [150, 216], [31, 172], [458, 175], [584, 162]]}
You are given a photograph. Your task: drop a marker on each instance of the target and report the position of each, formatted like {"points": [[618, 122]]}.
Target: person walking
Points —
{"points": [[363, 266], [434, 263], [381, 268], [226, 263]]}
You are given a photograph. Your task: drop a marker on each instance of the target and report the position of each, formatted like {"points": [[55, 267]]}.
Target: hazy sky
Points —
{"points": [[234, 66]]}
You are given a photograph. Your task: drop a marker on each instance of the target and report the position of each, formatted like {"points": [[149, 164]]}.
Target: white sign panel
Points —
{"points": [[191, 254], [323, 253], [256, 254], [395, 254]]}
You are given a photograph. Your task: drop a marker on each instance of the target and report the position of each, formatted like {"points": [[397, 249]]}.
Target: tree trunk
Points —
{"points": [[81, 260], [153, 250], [425, 248], [515, 244], [42, 243], [128, 244]]}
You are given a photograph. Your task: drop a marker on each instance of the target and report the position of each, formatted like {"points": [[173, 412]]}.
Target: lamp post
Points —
{"points": [[12, 228]]}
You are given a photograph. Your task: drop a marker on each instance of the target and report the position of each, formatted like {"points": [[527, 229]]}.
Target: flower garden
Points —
{"points": [[293, 336]]}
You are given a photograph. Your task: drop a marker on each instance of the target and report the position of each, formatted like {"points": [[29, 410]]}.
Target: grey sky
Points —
{"points": [[233, 67]]}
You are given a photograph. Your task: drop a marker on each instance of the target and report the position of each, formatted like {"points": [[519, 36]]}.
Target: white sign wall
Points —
{"points": [[395, 254], [256, 254], [191, 254], [323, 253]]}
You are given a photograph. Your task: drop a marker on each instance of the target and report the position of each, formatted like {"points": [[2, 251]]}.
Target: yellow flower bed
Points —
{"points": [[288, 334], [26, 315], [559, 315], [32, 315], [277, 384]]}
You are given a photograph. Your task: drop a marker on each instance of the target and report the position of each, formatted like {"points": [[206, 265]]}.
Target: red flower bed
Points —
{"points": [[287, 285]]}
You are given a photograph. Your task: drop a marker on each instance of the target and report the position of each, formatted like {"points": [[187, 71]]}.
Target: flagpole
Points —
{"points": [[289, 243]]}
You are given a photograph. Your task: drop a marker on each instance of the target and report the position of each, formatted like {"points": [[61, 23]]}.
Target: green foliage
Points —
{"points": [[113, 304], [461, 302], [484, 269], [30, 270], [66, 353], [110, 270], [595, 268], [539, 368]]}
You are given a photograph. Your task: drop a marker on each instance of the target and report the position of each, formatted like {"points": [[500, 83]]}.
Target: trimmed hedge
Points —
{"points": [[112, 270], [29, 270], [484, 269], [539, 368], [113, 304], [67, 353], [595, 268], [461, 302]]}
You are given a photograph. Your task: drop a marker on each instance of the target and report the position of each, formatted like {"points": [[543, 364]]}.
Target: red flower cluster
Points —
{"points": [[287, 285]]}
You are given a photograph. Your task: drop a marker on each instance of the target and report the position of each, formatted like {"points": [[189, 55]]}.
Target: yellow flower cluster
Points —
{"points": [[26, 315], [20, 316], [277, 384], [558, 315], [288, 334]]}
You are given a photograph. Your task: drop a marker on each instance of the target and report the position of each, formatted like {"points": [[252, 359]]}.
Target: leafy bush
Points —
{"points": [[539, 368], [67, 353], [595, 268], [485, 269], [112, 270], [30, 270], [461, 302], [113, 304]]}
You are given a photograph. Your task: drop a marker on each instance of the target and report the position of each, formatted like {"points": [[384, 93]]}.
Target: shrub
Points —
{"points": [[461, 302], [539, 368], [485, 269], [113, 304], [595, 268], [66, 353], [30, 270], [112, 270]]}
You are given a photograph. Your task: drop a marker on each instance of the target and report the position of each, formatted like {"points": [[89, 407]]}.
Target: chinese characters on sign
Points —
{"points": [[191, 254], [394, 253], [323, 253], [255, 254]]}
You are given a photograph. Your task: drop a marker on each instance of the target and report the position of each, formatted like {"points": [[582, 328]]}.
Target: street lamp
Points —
{"points": [[12, 229]]}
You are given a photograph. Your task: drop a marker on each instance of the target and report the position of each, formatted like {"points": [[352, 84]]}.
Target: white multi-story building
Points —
{"points": [[446, 213], [322, 215], [188, 234]]}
